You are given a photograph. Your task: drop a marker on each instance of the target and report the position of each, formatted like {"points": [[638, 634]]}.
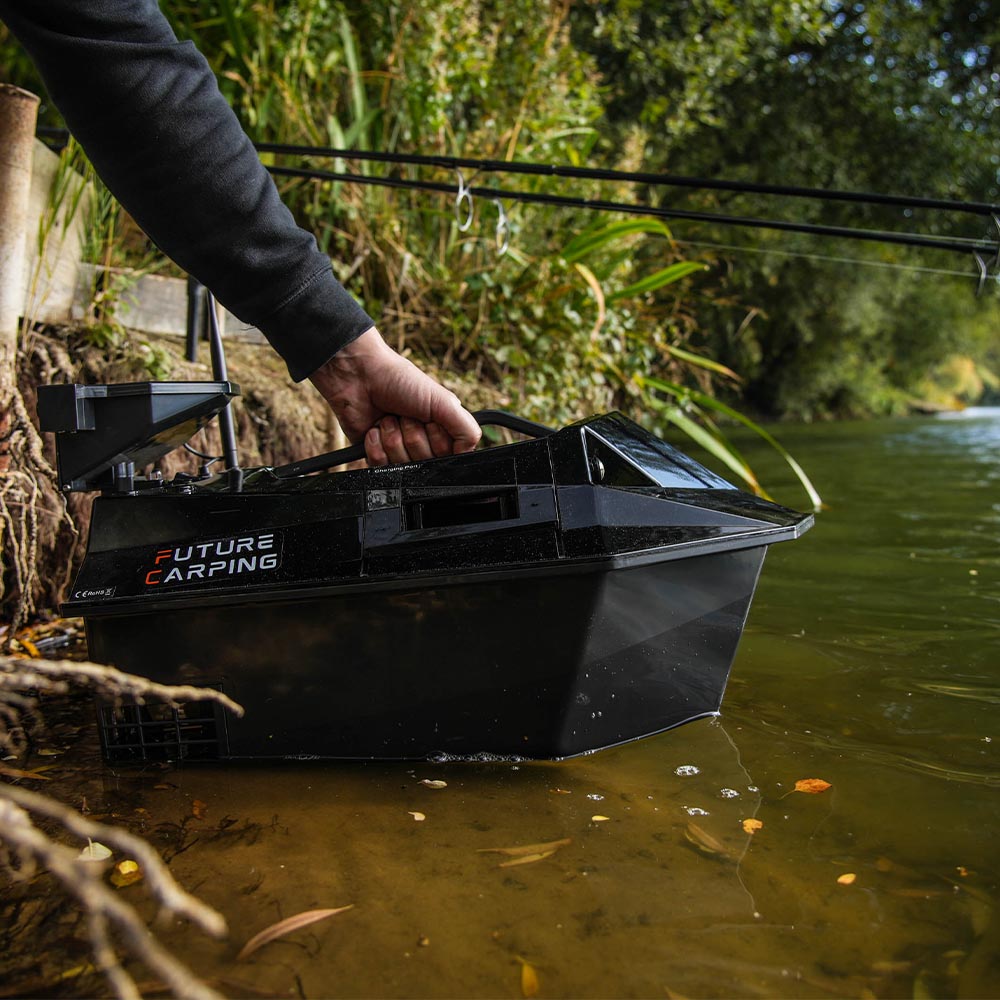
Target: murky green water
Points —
{"points": [[871, 660]]}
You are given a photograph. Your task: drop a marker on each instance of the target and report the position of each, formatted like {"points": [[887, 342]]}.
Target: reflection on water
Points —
{"points": [[871, 660]]}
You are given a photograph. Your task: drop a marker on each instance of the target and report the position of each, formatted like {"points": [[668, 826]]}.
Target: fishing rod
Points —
{"points": [[455, 163], [981, 249]]}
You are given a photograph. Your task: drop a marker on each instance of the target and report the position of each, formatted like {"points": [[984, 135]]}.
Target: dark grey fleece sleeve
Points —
{"points": [[148, 112]]}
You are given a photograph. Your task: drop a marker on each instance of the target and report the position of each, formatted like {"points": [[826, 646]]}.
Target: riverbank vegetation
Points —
{"points": [[883, 97]]}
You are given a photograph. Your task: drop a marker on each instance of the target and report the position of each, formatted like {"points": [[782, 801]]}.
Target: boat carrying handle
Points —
{"points": [[485, 418]]}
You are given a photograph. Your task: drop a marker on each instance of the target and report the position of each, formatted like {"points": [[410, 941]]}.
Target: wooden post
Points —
{"points": [[18, 114]]}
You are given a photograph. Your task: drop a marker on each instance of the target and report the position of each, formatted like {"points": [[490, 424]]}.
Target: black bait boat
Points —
{"points": [[572, 591]]}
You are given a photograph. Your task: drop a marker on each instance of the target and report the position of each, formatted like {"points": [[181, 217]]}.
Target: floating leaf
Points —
{"points": [[126, 873], [560, 791], [812, 786], [198, 809], [751, 826], [599, 819], [419, 817], [847, 878], [529, 979], [552, 845], [286, 926], [423, 941], [94, 852], [434, 783]]}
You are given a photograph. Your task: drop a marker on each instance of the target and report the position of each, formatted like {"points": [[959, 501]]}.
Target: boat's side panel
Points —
{"points": [[540, 667]]}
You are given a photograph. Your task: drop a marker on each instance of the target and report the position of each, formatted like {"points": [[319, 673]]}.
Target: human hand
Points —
{"points": [[401, 414]]}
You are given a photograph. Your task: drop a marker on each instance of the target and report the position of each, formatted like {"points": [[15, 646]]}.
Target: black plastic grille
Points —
{"points": [[158, 732]]}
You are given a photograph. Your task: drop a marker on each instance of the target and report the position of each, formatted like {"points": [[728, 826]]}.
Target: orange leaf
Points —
{"points": [[751, 826], [812, 786], [284, 927], [198, 809], [847, 878]]}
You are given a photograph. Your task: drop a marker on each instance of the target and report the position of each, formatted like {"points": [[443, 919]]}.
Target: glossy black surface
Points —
{"points": [[541, 599]]}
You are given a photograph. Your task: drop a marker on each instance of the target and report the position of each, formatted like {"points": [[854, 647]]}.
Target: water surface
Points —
{"points": [[871, 660]]}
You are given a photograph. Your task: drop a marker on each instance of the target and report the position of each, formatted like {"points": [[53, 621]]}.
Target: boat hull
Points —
{"points": [[529, 665]]}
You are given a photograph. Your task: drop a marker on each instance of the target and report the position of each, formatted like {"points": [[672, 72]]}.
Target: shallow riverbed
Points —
{"points": [[871, 660]]}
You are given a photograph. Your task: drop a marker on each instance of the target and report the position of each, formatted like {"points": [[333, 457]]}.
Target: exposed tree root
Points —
{"points": [[25, 847]]}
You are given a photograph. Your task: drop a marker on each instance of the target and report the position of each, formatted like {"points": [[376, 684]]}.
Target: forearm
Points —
{"points": [[148, 112]]}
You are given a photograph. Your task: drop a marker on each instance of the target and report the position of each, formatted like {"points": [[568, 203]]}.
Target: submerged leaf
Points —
{"points": [[529, 979], [16, 772], [705, 842], [552, 845], [198, 809], [812, 786], [526, 859], [286, 926]]}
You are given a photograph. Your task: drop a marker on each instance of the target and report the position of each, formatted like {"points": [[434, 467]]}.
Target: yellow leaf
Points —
{"points": [[529, 979], [599, 819], [526, 859], [16, 772], [283, 927], [812, 786], [751, 826], [30, 648], [126, 873], [560, 791], [434, 783], [847, 878], [418, 817], [552, 845]]}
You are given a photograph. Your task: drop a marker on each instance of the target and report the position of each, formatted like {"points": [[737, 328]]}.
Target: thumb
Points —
{"points": [[457, 422]]}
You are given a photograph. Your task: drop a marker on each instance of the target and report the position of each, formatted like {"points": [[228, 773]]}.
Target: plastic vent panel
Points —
{"points": [[133, 733]]}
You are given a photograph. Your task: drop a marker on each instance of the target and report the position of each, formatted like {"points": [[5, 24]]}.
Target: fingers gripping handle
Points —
{"points": [[485, 418]]}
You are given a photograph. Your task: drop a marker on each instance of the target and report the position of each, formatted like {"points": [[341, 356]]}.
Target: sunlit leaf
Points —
{"points": [[434, 783], [848, 878], [30, 648], [94, 852], [599, 819], [126, 873], [286, 926], [667, 276], [751, 826], [593, 239], [419, 817], [529, 979], [551, 845], [812, 786], [707, 401], [701, 362]]}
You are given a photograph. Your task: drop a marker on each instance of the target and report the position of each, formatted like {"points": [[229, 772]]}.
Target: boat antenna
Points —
{"points": [[227, 430]]}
